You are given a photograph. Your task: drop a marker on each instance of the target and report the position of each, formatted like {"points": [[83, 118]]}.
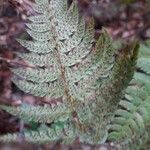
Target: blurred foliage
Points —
{"points": [[128, 2]]}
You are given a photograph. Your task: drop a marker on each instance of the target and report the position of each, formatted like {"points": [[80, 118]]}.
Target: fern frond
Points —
{"points": [[39, 75], [119, 77], [145, 49], [144, 65], [39, 60], [34, 136], [68, 63], [40, 89], [39, 27], [132, 118], [74, 47], [41, 36], [38, 47], [45, 134], [39, 114], [42, 18], [130, 121]]}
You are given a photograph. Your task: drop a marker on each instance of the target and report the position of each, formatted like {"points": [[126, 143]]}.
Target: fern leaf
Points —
{"points": [[145, 49], [38, 75], [89, 76], [38, 60], [132, 123], [75, 40], [40, 8], [39, 27], [43, 18], [37, 47], [41, 89], [133, 114], [121, 74], [74, 46], [40, 36], [34, 136], [144, 65], [38, 113], [41, 2], [8, 137], [55, 133]]}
